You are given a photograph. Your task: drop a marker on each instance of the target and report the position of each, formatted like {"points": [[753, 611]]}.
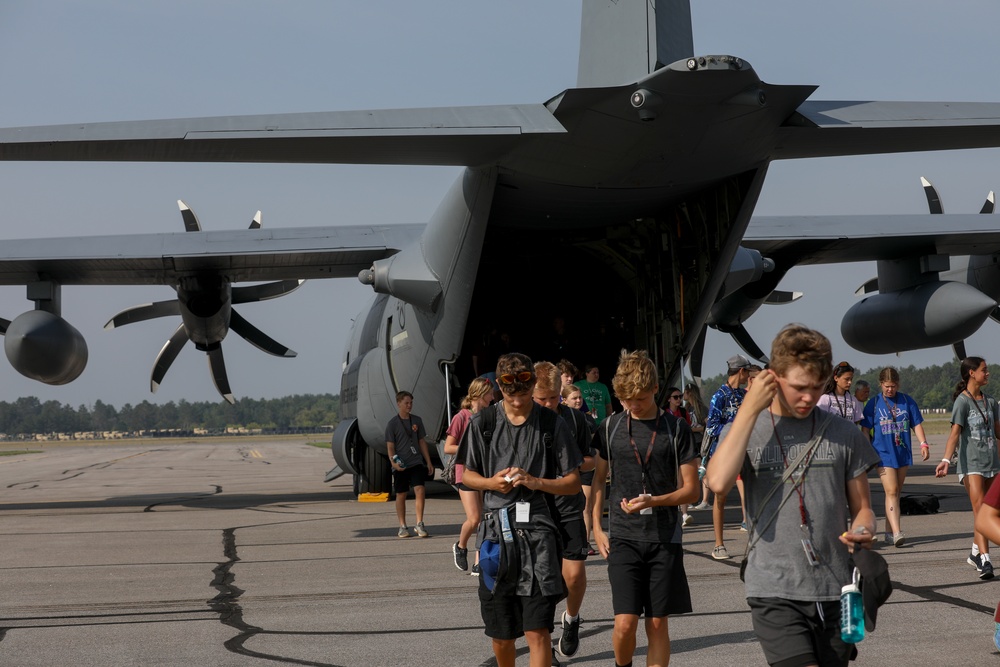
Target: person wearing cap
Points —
{"points": [[721, 411], [806, 476]]}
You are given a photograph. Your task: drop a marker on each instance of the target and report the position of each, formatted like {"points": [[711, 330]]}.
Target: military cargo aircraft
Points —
{"points": [[647, 173]]}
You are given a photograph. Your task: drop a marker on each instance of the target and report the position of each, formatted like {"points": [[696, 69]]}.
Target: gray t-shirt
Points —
{"points": [[523, 447], [778, 567], [405, 434], [977, 445], [672, 446]]}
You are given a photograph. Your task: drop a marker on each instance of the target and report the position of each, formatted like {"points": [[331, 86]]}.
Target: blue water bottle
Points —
{"points": [[852, 612]]}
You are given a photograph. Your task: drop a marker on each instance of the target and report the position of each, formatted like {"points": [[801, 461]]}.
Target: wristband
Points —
{"points": [[948, 461], [924, 444]]}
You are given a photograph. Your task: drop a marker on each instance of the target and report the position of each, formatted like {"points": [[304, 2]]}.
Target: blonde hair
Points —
{"points": [[547, 376], [477, 389], [569, 390], [636, 374]]}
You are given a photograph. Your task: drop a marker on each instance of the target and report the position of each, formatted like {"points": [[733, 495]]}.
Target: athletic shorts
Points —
{"points": [[573, 538], [407, 478], [793, 633], [587, 478], [507, 615], [648, 578]]}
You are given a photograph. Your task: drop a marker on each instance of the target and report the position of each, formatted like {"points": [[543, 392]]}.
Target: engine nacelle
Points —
{"points": [[45, 347], [933, 314]]}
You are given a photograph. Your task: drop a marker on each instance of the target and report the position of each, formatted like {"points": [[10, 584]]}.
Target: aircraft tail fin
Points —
{"points": [[621, 42]]}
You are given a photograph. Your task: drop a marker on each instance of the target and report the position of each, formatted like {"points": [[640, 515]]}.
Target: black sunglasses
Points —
{"points": [[675, 396], [511, 378]]}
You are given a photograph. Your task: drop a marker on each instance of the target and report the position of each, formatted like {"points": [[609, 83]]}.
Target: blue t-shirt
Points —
{"points": [[892, 422]]}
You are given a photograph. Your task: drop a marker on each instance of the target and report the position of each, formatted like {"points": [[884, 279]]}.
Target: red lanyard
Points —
{"points": [[803, 515]]}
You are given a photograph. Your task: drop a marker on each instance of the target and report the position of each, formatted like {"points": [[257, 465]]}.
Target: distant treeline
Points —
{"points": [[29, 415], [930, 387]]}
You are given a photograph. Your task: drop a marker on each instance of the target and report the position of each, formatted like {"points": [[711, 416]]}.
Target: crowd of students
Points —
{"points": [[532, 471]]}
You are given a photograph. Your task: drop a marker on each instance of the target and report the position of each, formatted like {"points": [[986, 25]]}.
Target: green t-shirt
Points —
{"points": [[597, 397]]}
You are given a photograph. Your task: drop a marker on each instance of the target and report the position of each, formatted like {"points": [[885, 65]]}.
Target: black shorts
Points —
{"points": [[794, 634], [407, 478], [573, 538], [507, 615], [648, 578], [587, 478]]}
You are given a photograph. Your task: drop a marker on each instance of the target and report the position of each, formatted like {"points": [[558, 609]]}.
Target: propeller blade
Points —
{"points": [[264, 292], [255, 223], [989, 203], [191, 223], [867, 287], [167, 354], [697, 354], [256, 337], [959, 349], [749, 345], [146, 311], [3, 326], [217, 363], [933, 201], [781, 297]]}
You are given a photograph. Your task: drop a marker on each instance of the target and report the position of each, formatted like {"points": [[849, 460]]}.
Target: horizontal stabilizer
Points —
{"points": [[830, 128], [445, 136]]}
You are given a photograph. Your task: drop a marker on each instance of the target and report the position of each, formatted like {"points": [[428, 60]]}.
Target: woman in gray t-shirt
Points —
{"points": [[975, 426]]}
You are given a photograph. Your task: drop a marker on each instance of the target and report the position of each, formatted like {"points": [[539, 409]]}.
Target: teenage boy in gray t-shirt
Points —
{"points": [[801, 535]]}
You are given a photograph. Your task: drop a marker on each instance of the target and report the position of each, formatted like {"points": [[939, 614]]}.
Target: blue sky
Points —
{"points": [[63, 62]]}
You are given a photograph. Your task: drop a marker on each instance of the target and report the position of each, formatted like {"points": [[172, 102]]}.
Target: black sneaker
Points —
{"points": [[976, 561], [987, 571], [461, 557], [569, 643], [475, 570], [555, 660]]}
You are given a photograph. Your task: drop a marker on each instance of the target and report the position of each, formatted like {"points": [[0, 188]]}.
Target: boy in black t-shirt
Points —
{"points": [[520, 462], [655, 469]]}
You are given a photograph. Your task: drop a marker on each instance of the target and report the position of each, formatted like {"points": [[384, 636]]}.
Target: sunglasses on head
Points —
{"points": [[843, 367], [511, 378]]}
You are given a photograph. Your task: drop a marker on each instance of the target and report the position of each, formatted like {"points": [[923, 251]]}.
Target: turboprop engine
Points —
{"points": [[932, 314]]}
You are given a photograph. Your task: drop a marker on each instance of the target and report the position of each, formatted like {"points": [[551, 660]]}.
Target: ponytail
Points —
{"points": [[965, 369]]}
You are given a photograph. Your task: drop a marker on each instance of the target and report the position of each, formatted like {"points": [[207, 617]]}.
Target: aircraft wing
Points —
{"points": [[162, 259], [828, 128], [858, 238], [450, 136]]}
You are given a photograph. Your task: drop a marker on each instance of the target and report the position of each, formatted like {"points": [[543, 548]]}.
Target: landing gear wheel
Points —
{"points": [[375, 473]]}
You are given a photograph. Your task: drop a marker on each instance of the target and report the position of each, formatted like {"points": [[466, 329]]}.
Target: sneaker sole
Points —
{"points": [[986, 575], [898, 542]]}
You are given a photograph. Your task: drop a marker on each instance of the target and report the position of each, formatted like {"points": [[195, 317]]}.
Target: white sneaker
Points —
{"points": [[686, 520]]}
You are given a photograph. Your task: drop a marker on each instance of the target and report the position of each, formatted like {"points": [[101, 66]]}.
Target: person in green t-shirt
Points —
{"points": [[595, 394]]}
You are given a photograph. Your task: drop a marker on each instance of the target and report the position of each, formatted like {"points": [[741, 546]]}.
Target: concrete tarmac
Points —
{"points": [[237, 553]]}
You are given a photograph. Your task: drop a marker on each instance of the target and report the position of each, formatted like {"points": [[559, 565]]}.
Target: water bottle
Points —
{"points": [[852, 613], [398, 461]]}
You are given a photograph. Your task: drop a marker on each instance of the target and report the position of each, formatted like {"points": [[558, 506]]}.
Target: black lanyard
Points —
{"points": [[643, 465], [842, 409], [986, 422], [803, 514]]}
